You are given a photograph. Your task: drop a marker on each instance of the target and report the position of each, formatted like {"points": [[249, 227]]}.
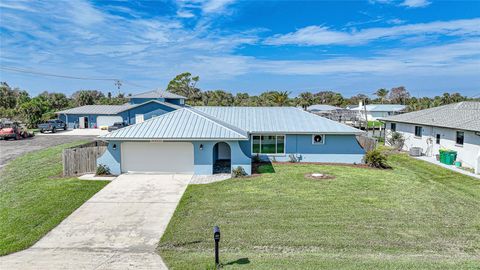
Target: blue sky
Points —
{"points": [[250, 46]]}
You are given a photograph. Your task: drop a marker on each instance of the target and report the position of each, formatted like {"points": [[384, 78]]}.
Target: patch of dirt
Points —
{"points": [[319, 176]]}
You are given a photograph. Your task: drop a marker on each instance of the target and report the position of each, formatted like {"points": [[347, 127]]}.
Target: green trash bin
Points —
{"points": [[442, 156], [450, 157]]}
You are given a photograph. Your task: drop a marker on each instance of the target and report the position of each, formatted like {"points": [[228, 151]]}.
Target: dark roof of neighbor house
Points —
{"points": [[322, 107], [381, 108], [185, 123], [157, 94], [463, 115], [111, 109]]}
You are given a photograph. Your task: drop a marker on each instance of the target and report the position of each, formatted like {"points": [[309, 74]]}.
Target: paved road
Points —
{"points": [[118, 228], [11, 149]]}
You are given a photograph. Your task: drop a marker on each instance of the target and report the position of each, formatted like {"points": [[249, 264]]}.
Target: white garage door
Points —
{"points": [[161, 157], [106, 121]]}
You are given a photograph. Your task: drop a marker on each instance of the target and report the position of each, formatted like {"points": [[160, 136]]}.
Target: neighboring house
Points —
{"points": [[332, 112], [139, 108], [322, 108], [455, 127], [375, 111], [200, 139]]}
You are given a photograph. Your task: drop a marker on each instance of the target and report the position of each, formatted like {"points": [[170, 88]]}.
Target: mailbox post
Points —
{"points": [[216, 237]]}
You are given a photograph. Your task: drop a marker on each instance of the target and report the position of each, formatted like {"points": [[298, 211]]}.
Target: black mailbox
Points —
{"points": [[216, 233], [216, 237]]}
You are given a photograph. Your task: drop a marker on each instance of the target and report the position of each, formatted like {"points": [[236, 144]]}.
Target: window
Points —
{"points": [[268, 144], [393, 126], [318, 139], [438, 139], [460, 137], [418, 131]]}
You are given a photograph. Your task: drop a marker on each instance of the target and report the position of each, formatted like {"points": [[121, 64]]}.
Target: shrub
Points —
{"points": [[256, 158], [238, 172], [103, 170], [376, 159], [396, 140]]}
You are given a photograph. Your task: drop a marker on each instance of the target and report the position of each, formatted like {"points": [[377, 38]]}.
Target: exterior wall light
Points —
{"points": [[114, 147], [201, 146]]}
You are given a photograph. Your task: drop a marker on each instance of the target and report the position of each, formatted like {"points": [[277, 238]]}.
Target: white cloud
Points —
{"points": [[187, 8], [322, 35], [415, 3]]}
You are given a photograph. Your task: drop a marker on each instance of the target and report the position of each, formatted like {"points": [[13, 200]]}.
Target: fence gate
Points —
{"points": [[82, 159]]}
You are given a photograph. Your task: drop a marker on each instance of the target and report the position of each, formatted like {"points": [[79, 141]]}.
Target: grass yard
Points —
{"points": [[416, 216], [34, 198]]}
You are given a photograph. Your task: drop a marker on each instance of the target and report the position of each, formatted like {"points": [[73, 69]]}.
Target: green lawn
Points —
{"points": [[34, 198], [416, 216]]}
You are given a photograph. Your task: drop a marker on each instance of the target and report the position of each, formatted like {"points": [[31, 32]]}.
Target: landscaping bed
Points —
{"points": [[413, 216], [34, 198]]}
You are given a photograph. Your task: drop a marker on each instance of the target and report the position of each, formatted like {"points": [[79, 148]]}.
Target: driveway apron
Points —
{"points": [[118, 228]]}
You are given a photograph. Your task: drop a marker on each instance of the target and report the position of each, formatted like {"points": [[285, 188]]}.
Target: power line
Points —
{"points": [[118, 82]]}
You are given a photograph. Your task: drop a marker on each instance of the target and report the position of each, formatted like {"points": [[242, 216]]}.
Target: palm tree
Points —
{"points": [[280, 98], [305, 99], [381, 94]]}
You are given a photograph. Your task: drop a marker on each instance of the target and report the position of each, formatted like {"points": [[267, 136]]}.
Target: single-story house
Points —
{"points": [[198, 140], [322, 108], [375, 111], [139, 108], [454, 126]]}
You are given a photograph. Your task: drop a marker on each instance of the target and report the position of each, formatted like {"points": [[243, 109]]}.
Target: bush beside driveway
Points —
{"points": [[414, 216], [34, 198]]}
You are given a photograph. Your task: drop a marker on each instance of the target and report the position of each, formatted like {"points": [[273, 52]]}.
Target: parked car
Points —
{"points": [[116, 125], [52, 125], [13, 130]]}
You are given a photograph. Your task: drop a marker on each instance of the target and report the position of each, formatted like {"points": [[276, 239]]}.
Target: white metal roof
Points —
{"points": [[277, 120], [381, 108], [157, 94], [181, 124]]}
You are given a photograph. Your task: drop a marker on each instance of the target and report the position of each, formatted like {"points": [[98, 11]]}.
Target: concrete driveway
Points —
{"points": [[118, 228]]}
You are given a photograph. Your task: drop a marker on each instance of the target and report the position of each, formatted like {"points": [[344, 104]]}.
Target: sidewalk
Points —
{"points": [[433, 160]]}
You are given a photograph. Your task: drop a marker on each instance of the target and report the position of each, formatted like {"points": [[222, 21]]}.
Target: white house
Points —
{"points": [[455, 127], [375, 111]]}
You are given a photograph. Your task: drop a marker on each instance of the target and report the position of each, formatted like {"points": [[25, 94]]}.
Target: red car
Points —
{"points": [[13, 130]]}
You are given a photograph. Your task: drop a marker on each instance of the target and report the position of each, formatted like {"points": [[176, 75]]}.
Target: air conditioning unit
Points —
{"points": [[415, 151]]}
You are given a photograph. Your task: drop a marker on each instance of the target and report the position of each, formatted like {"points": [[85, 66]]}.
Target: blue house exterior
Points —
{"points": [[196, 140], [139, 108]]}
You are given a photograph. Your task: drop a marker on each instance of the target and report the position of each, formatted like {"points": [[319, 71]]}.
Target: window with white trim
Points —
{"points": [[318, 139], [268, 144], [418, 131]]}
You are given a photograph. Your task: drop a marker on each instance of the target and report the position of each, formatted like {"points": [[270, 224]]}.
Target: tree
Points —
{"points": [[399, 95], [32, 111], [381, 94], [217, 98], [280, 98], [184, 84], [241, 99], [329, 97], [305, 99]]}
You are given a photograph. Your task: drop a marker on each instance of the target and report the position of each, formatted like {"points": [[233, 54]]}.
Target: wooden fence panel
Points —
{"points": [[82, 159], [367, 143]]}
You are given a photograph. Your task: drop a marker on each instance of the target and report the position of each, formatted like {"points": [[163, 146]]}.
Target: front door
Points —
{"points": [[138, 118]]}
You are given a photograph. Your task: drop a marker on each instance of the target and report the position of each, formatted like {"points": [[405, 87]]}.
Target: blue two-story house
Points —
{"points": [[140, 107]]}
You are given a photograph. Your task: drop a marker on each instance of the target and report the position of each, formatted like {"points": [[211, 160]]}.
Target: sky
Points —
{"points": [[352, 47]]}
